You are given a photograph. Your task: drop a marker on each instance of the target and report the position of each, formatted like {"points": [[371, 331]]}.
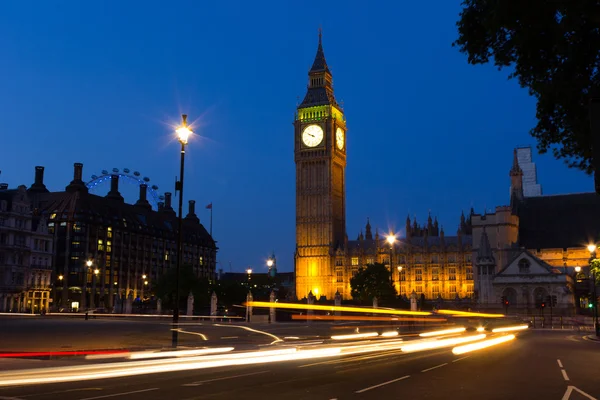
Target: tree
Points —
{"points": [[164, 287], [372, 281], [553, 48], [595, 269]]}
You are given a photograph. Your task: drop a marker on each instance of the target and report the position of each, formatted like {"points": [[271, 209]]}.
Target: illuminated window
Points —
{"points": [[419, 289], [109, 232], [100, 245], [418, 274], [340, 276], [470, 290], [53, 216], [435, 274], [452, 289], [452, 274], [339, 262], [200, 260], [354, 260], [435, 290], [108, 246], [167, 256], [370, 260], [76, 244], [469, 271]]}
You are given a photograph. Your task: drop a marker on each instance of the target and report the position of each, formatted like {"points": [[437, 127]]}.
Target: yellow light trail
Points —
{"points": [[436, 344], [316, 307], [443, 332], [364, 318], [456, 313], [510, 328], [355, 336], [482, 345]]}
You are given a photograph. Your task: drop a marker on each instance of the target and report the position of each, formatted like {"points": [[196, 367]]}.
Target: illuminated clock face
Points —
{"points": [[312, 135], [339, 138]]}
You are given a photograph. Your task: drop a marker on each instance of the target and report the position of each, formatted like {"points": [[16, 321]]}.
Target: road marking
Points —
{"points": [[565, 374], [223, 378], [559, 363], [119, 394], [10, 398], [437, 366], [229, 337], [191, 333], [570, 390], [277, 339], [382, 384], [462, 358]]}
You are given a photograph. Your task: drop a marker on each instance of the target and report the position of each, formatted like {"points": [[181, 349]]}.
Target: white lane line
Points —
{"points": [[119, 394], [462, 358], [565, 374], [223, 378], [437, 366], [559, 363], [382, 384], [570, 389]]}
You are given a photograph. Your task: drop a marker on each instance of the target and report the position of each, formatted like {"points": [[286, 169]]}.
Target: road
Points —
{"points": [[537, 365]]}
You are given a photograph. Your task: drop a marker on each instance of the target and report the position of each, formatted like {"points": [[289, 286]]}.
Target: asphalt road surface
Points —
{"points": [[537, 365]]}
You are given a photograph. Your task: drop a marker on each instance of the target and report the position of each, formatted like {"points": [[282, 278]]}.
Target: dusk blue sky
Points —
{"points": [[102, 82]]}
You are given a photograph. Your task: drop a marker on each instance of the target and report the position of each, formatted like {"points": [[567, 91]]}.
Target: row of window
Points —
{"points": [[403, 259]]}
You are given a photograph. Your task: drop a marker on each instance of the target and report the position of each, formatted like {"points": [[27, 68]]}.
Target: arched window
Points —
{"points": [[524, 265]]}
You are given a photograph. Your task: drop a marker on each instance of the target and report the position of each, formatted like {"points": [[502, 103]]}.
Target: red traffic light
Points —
{"points": [[543, 304]]}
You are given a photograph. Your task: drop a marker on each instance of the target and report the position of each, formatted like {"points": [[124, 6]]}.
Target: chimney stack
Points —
{"points": [[167, 205], [143, 202], [192, 212], [114, 188], [77, 184], [38, 185], [161, 206]]}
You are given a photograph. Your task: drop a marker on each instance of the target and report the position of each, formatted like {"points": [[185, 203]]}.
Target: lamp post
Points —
{"points": [[399, 280], [183, 134], [592, 250], [391, 239]]}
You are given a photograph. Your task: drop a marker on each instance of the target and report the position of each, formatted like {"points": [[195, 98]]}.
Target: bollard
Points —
{"points": [[561, 323], [86, 315]]}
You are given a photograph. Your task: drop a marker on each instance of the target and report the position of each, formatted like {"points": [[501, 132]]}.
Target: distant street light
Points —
{"points": [[391, 239], [269, 263], [592, 249]]}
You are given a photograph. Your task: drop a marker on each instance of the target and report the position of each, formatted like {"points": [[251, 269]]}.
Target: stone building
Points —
{"points": [[129, 245], [425, 261], [527, 250], [26, 251]]}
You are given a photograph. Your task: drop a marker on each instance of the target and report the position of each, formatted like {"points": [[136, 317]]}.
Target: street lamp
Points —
{"points": [[269, 263], [592, 249], [183, 134], [391, 239]]}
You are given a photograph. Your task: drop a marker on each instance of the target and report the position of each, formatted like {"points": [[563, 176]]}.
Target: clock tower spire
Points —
{"points": [[320, 155]]}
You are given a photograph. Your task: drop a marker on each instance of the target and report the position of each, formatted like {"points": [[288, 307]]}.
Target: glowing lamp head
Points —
{"points": [[316, 291], [391, 239], [400, 268], [144, 276], [249, 271], [146, 283], [88, 263], [115, 283], [60, 277], [577, 269], [183, 132], [269, 263], [591, 247], [96, 271]]}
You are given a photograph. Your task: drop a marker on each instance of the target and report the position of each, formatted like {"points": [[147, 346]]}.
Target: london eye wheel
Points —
{"points": [[100, 184]]}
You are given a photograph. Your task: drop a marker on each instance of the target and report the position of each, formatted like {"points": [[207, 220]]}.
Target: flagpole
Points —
{"points": [[211, 208]]}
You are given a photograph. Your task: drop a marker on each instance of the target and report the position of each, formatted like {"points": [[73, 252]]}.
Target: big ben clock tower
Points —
{"points": [[320, 155]]}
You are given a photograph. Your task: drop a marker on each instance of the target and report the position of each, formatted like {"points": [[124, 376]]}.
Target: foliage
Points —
{"points": [[553, 48], [372, 281], [164, 287], [595, 269]]}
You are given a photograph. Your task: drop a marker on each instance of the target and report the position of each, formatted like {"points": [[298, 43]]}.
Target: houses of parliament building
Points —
{"points": [[433, 264]]}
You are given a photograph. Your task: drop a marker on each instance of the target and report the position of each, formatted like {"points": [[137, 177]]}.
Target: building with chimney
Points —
{"points": [[129, 245], [26, 254], [527, 250]]}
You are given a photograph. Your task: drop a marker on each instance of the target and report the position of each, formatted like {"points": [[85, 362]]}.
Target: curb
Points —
{"points": [[592, 338]]}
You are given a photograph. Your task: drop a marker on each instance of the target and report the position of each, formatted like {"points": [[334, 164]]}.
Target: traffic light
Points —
{"points": [[543, 304]]}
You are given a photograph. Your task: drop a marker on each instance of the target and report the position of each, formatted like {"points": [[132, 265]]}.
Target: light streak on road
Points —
{"points": [[510, 328], [277, 338], [390, 334], [316, 307], [443, 332], [437, 344], [481, 329], [456, 313], [355, 336], [482, 345], [363, 318], [142, 355], [116, 370]]}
